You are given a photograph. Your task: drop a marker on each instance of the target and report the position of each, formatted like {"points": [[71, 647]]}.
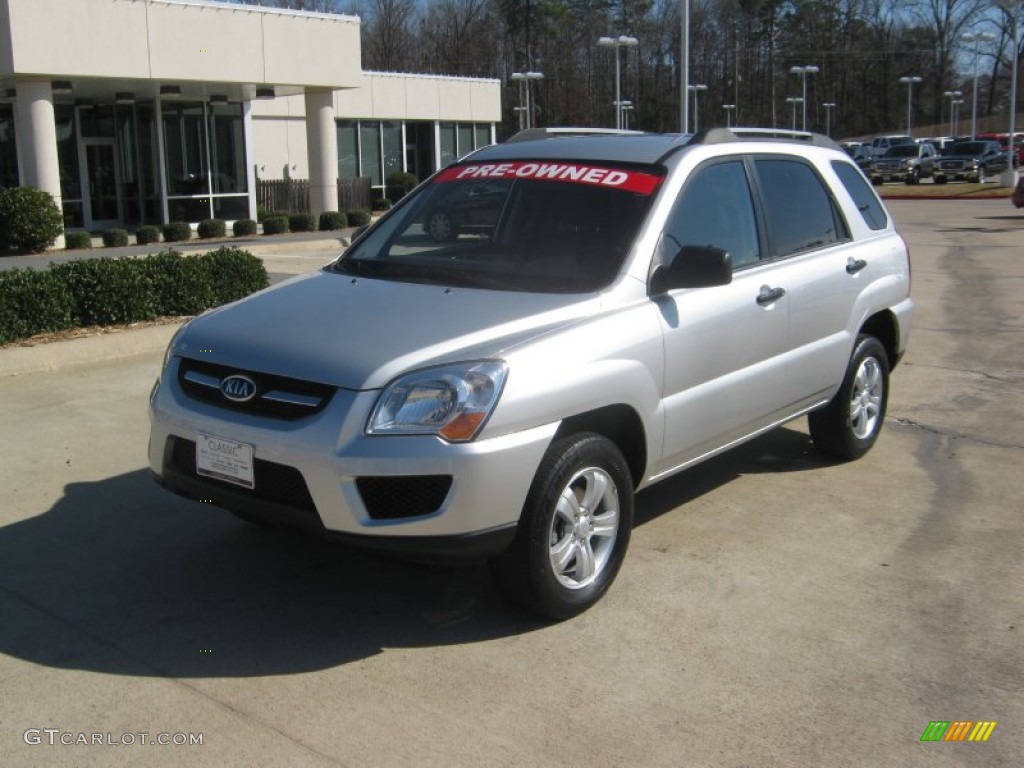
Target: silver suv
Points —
{"points": [[596, 313]]}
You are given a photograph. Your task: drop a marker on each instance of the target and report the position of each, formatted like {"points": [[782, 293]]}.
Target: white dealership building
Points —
{"points": [[149, 111]]}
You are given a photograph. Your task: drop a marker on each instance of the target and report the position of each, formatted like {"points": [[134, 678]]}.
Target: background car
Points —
{"points": [[905, 162], [970, 161], [1018, 193]]}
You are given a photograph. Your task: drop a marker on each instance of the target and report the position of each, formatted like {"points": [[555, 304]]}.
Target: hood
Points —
{"points": [[359, 333]]}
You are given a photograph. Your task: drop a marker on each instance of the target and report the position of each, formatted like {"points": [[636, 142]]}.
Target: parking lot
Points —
{"points": [[775, 608]]}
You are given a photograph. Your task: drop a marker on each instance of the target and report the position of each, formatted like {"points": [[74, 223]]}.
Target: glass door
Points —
{"points": [[102, 192]]}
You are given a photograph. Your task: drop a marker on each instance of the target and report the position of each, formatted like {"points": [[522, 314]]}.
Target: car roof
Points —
{"points": [[604, 145]]}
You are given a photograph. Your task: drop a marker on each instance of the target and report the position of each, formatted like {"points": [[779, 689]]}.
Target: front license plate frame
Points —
{"points": [[227, 460]]}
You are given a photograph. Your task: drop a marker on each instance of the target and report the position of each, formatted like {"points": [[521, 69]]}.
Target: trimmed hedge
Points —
{"points": [[302, 222], [177, 232], [115, 238], [147, 234], [123, 290], [244, 227], [331, 220], [399, 184], [275, 225], [358, 218], [30, 221], [208, 228], [76, 240], [382, 204]]}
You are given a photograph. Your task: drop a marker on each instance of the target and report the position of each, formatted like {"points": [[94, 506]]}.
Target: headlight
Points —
{"points": [[170, 346], [451, 401]]}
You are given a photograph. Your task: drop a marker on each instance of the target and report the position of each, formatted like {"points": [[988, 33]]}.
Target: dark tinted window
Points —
{"points": [[716, 209], [863, 195], [801, 214]]}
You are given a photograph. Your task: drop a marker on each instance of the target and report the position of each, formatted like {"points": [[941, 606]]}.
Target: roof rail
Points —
{"points": [[723, 135], [530, 134]]}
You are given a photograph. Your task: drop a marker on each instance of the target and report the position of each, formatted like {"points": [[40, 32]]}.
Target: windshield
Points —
{"points": [[520, 226], [904, 150], [967, 148]]}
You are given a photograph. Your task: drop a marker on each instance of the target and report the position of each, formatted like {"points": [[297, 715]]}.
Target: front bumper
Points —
{"points": [[412, 494]]}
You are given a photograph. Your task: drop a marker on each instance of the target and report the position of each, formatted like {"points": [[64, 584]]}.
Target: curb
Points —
{"points": [[104, 346]]}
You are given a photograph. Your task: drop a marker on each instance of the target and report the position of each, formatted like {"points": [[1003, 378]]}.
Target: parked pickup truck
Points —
{"points": [[908, 163], [970, 161]]}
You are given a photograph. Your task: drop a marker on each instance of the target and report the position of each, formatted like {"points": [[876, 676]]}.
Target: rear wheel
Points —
{"points": [[849, 425], [574, 529], [441, 226]]}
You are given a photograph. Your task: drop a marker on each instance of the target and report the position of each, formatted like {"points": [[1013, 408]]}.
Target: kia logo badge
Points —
{"points": [[240, 389]]}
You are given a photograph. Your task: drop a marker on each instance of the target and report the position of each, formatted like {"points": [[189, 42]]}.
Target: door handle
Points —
{"points": [[853, 266], [769, 295]]}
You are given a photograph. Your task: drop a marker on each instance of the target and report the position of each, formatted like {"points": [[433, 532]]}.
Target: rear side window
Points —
{"points": [[801, 214], [863, 195]]}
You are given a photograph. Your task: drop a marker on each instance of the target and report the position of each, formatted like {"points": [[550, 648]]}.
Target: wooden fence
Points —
{"points": [[292, 195]]}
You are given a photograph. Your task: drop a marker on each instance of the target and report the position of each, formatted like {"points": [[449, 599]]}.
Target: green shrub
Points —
{"points": [[208, 228], [331, 220], [147, 234], [33, 301], [76, 240], [382, 204], [108, 291], [399, 184], [244, 227], [302, 222], [261, 212], [275, 225], [181, 283], [358, 218], [177, 232], [115, 238], [30, 221], [233, 273]]}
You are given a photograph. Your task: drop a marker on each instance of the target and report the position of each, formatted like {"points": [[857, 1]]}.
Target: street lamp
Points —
{"points": [[976, 37], [952, 96], [1012, 7], [829, 106], [794, 100], [804, 71], [909, 80], [684, 67], [728, 114], [622, 41], [956, 114], [695, 90], [524, 78], [625, 107]]}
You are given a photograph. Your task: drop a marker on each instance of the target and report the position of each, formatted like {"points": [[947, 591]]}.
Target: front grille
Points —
{"points": [[952, 165], [391, 498], [278, 397], [276, 483]]}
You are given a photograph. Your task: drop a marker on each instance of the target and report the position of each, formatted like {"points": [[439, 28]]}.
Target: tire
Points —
{"points": [[941, 179], [849, 425], [574, 529], [441, 227]]}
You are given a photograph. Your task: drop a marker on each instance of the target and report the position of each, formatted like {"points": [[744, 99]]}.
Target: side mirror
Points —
{"points": [[695, 266]]}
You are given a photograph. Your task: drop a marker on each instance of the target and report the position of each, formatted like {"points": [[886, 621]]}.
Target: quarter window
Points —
{"points": [[863, 195], [716, 209], [800, 211]]}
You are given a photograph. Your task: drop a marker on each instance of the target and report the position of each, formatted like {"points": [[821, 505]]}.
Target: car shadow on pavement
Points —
{"points": [[120, 577]]}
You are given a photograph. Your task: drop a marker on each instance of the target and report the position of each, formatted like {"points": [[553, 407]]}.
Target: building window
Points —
{"points": [[227, 150], [8, 149], [369, 152], [392, 147], [185, 150], [481, 135], [348, 149], [465, 131], [449, 153], [67, 162]]}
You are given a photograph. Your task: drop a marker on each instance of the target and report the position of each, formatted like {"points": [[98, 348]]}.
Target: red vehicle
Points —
{"points": [[1004, 141]]}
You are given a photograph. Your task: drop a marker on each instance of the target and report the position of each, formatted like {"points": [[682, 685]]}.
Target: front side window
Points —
{"points": [[800, 211], [521, 226], [716, 209]]}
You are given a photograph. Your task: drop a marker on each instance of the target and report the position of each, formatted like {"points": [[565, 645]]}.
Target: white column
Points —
{"points": [[322, 148], [36, 129]]}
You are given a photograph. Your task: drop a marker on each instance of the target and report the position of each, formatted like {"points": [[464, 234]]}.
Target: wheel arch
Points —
{"points": [[884, 327], [619, 423]]}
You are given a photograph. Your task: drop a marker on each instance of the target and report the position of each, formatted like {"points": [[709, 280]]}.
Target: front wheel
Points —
{"points": [[849, 425], [441, 227], [574, 529]]}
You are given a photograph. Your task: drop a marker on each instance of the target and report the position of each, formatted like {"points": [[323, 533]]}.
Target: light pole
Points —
{"points": [[622, 41], [976, 37], [625, 107], [804, 71], [695, 90], [910, 80], [794, 100], [525, 78], [728, 114], [684, 67], [952, 96], [1012, 7], [956, 114], [829, 106]]}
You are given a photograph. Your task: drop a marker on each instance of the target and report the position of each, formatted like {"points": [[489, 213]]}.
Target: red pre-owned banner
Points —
{"points": [[577, 173]]}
